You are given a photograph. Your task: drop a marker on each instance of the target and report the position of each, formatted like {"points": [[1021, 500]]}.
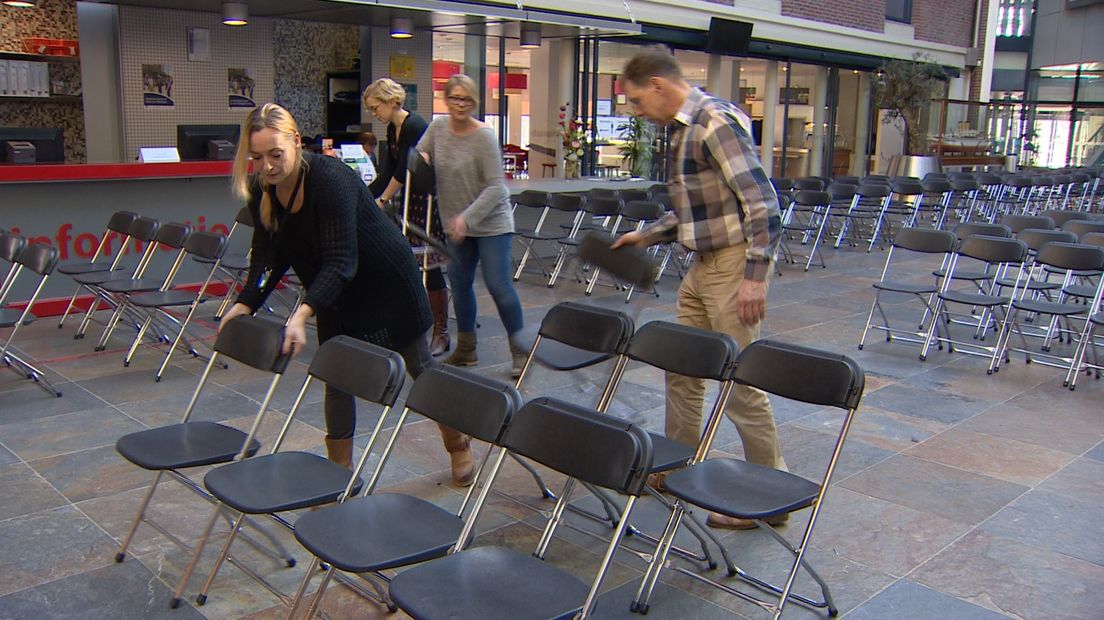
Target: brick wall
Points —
{"points": [[861, 14], [944, 21]]}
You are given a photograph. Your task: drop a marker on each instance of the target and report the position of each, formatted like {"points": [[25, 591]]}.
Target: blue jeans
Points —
{"points": [[494, 254]]}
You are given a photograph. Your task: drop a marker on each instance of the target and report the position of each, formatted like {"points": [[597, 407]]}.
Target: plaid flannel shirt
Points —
{"points": [[720, 192]]}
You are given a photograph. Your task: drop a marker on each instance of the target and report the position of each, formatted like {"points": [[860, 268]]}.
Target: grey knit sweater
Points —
{"points": [[470, 181]]}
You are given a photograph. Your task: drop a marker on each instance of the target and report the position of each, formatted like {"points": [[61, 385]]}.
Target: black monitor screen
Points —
{"points": [[727, 36], [49, 142], [191, 140]]}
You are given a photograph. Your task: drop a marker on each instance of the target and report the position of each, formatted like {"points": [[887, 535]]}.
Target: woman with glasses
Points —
{"points": [[475, 208], [316, 216], [385, 98]]}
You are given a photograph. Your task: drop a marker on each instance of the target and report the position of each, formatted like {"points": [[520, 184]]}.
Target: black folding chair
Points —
{"points": [[118, 226], [39, 259], [383, 531], [284, 481], [169, 449], [744, 490], [492, 582]]}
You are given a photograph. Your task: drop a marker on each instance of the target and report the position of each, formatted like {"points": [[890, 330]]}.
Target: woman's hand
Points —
{"points": [[458, 229], [238, 309], [295, 333]]}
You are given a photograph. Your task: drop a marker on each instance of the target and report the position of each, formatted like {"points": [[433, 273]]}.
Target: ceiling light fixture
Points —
{"points": [[402, 28], [235, 13], [20, 4], [530, 35]]}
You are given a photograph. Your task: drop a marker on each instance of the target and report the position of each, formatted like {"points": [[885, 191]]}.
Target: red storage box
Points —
{"points": [[51, 47]]}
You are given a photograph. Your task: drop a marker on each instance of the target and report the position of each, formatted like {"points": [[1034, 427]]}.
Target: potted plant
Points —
{"points": [[638, 149], [904, 89], [573, 137]]}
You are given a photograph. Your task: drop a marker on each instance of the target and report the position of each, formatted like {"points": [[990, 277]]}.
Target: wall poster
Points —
{"points": [[239, 87], [157, 85], [402, 67]]}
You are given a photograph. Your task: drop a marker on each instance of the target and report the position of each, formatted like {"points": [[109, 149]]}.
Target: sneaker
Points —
{"points": [[735, 523]]}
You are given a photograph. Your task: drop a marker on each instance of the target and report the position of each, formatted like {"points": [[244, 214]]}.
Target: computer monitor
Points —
{"points": [[49, 142], [191, 140]]}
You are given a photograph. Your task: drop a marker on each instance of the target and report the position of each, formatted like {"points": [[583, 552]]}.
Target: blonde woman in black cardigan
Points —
{"points": [[317, 217]]}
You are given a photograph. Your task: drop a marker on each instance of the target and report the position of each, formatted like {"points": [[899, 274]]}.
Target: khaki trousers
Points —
{"points": [[707, 299]]}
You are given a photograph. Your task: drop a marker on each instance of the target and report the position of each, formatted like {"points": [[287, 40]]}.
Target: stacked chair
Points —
{"points": [[40, 260], [118, 227]]}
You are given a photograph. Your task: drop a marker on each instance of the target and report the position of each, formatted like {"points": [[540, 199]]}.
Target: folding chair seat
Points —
{"points": [[805, 218], [899, 280], [1070, 258], [492, 582], [743, 490], [605, 209], [638, 214], [41, 260], [999, 257], [256, 343], [540, 232], [118, 226], [156, 304], [284, 481], [143, 231], [383, 531]]}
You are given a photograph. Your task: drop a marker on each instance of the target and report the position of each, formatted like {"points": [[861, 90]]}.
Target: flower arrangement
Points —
{"points": [[573, 135]]}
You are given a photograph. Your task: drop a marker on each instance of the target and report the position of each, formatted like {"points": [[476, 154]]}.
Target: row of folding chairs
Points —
{"points": [[34, 262], [1000, 283], [562, 220], [363, 535]]}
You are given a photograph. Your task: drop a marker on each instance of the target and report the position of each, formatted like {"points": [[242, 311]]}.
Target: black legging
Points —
{"points": [[340, 407], [435, 280]]}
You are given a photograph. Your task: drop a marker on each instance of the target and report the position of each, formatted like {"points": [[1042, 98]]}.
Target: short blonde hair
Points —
{"points": [[385, 90], [462, 81], [267, 116]]}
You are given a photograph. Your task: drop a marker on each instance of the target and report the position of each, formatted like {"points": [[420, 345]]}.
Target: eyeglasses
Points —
{"points": [[373, 108], [454, 100]]}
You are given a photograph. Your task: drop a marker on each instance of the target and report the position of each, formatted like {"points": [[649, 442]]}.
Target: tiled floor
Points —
{"points": [[959, 495]]}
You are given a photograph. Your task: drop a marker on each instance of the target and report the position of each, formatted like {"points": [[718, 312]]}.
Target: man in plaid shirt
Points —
{"points": [[726, 210]]}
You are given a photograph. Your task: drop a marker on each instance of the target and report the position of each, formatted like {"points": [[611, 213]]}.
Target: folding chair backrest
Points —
{"points": [[591, 328], [602, 206], [255, 342], [873, 190], [629, 195], [812, 198], [967, 229], [144, 229], [365, 370], [39, 258], [120, 221], [925, 240], [1082, 227], [244, 217], [801, 373], [847, 180], [907, 187], [173, 234], [460, 399], [992, 249], [11, 245], [684, 350], [576, 441], [642, 210], [1061, 216], [205, 244], [964, 185], [936, 185], [809, 183], [532, 198], [1093, 238], [842, 191], [1022, 222], [566, 202], [1073, 256], [1036, 238]]}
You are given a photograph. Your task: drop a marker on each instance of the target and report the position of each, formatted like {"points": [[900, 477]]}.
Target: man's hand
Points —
{"points": [[629, 239], [458, 229], [236, 310], [751, 301]]}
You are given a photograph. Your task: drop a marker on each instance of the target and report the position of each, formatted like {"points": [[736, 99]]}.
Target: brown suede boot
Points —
{"points": [[465, 354], [460, 454], [340, 451], [519, 356], [439, 342]]}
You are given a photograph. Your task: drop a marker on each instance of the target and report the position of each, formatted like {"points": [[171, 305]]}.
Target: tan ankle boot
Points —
{"points": [[465, 354], [439, 342], [340, 451], [460, 454]]}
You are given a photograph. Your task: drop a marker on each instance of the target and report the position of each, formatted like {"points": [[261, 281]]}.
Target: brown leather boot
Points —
{"points": [[340, 451], [465, 354], [439, 342], [518, 356], [460, 454]]}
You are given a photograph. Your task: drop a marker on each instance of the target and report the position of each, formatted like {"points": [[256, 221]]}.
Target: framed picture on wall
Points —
{"points": [[157, 85], [239, 87], [402, 67], [199, 45]]}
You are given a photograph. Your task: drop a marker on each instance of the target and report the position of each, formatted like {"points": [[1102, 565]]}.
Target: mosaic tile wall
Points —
{"points": [[303, 53], [51, 19], [199, 88]]}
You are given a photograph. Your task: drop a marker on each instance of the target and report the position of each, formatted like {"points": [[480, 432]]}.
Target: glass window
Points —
{"points": [[899, 11]]}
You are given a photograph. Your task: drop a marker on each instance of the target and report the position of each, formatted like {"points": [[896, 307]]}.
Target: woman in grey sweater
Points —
{"points": [[475, 210]]}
